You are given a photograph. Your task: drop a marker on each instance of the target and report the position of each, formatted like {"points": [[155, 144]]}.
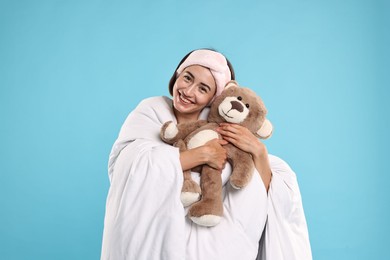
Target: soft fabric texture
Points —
{"points": [[146, 220], [212, 60]]}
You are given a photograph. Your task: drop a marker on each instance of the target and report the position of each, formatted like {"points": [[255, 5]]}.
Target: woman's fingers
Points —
{"points": [[222, 141], [239, 136], [231, 130], [217, 154]]}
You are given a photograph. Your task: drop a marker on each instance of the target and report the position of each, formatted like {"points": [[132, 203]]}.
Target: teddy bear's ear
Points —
{"points": [[231, 83], [265, 130]]}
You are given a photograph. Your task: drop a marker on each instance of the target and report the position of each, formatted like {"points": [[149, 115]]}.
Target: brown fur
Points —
{"points": [[235, 98]]}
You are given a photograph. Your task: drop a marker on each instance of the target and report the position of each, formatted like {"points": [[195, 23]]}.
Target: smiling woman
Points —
{"points": [[145, 218], [193, 90]]}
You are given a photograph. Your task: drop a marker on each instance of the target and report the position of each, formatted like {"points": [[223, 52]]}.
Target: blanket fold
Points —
{"points": [[286, 233]]}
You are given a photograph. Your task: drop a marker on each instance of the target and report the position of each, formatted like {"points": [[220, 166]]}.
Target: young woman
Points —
{"points": [[145, 218]]}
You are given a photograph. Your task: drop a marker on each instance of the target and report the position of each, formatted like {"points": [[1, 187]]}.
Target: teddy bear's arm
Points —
{"points": [[171, 133]]}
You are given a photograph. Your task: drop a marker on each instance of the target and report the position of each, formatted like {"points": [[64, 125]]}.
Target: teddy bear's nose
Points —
{"points": [[237, 106]]}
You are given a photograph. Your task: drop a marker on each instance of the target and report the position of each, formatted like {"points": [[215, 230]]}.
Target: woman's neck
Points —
{"points": [[185, 118]]}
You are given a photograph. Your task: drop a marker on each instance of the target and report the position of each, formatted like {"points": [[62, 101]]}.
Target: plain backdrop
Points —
{"points": [[71, 71]]}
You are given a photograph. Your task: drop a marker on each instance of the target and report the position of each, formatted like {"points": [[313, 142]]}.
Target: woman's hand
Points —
{"points": [[217, 155], [212, 154], [243, 139]]}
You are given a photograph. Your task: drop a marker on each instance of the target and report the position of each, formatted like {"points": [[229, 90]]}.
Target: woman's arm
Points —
{"points": [[212, 153], [242, 138], [260, 158]]}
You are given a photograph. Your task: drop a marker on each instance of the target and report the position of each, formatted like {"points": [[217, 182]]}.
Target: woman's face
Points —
{"points": [[193, 90]]}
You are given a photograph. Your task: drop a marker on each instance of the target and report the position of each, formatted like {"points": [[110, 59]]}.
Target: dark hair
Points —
{"points": [[174, 76]]}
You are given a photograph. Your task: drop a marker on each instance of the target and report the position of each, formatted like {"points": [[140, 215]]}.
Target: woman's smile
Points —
{"points": [[184, 100]]}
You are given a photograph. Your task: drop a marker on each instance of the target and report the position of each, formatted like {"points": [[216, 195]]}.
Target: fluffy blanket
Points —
{"points": [[146, 220]]}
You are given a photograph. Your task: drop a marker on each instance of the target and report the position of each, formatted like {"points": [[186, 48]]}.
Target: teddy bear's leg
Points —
{"points": [[190, 191], [209, 210], [242, 168]]}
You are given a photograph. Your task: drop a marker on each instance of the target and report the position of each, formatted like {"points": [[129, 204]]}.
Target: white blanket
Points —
{"points": [[146, 220]]}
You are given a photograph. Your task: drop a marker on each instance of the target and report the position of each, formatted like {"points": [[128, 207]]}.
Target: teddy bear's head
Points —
{"points": [[241, 106]]}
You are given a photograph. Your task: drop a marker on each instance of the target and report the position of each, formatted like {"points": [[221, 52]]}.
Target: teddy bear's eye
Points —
{"points": [[239, 98], [247, 105]]}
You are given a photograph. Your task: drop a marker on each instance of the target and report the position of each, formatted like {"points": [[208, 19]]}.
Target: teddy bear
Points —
{"points": [[237, 105]]}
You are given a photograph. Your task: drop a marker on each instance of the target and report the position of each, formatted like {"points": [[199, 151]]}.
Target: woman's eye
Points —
{"points": [[203, 89]]}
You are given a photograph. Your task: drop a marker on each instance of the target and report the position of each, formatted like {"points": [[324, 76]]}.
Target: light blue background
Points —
{"points": [[70, 71]]}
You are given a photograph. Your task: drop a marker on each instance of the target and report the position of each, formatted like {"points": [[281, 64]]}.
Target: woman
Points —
{"points": [[144, 215]]}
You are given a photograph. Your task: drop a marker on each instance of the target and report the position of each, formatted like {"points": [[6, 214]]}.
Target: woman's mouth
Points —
{"points": [[184, 100]]}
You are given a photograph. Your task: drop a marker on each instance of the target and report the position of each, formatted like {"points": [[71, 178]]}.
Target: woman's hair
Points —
{"points": [[174, 76]]}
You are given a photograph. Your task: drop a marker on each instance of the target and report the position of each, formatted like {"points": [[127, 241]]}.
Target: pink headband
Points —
{"points": [[212, 60]]}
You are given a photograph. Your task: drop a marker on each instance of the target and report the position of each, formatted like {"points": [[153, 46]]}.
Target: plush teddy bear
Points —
{"points": [[235, 105]]}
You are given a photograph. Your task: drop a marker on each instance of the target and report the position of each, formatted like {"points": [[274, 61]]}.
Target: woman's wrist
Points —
{"points": [[193, 157], [260, 159], [259, 151]]}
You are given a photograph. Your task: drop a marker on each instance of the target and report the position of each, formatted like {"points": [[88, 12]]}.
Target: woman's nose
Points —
{"points": [[189, 90]]}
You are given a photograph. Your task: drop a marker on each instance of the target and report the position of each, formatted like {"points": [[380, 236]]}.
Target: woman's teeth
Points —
{"points": [[185, 101]]}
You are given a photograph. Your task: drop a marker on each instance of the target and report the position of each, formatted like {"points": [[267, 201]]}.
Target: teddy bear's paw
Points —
{"points": [[170, 131], [237, 184], [206, 220], [188, 198]]}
